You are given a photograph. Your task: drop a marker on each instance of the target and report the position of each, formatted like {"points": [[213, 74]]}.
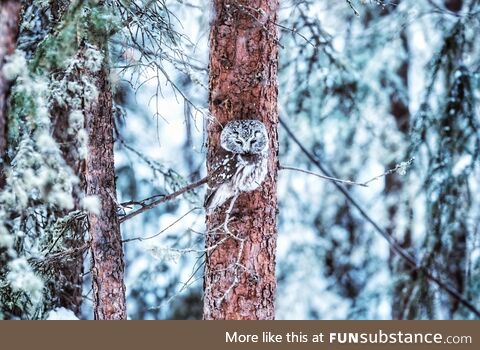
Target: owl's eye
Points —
{"points": [[238, 142], [253, 142]]}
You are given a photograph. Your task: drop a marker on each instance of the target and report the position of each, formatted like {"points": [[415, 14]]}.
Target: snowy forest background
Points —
{"points": [[364, 86]]}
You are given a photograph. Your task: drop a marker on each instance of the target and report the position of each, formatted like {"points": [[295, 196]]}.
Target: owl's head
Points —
{"points": [[245, 137]]}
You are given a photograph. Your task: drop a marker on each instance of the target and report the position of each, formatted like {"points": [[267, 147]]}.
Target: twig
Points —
{"points": [[190, 281], [349, 2], [59, 256], [399, 168], [410, 259], [194, 250], [402, 167], [166, 198], [333, 179], [162, 231], [236, 266]]}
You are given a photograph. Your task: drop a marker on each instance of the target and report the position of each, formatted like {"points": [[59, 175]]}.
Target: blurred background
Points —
{"points": [[365, 85]]}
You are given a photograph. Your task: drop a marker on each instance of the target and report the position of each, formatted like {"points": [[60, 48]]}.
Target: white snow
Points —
{"points": [[61, 314], [15, 65], [92, 204]]}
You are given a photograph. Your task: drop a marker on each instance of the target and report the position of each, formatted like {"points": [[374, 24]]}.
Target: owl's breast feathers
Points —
{"points": [[227, 165], [233, 173]]}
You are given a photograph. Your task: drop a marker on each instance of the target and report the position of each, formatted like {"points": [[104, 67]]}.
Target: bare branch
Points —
{"points": [[399, 168], [333, 179], [140, 239], [356, 13], [164, 199]]}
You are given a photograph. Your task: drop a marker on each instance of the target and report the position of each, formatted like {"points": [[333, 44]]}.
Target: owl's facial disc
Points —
{"points": [[244, 137]]}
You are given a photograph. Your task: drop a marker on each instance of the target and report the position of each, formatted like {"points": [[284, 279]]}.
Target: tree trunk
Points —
{"points": [[65, 284], [239, 278], [106, 245], [9, 25], [65, 280]]}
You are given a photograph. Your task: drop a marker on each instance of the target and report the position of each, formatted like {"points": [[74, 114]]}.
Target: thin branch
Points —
{"points": [[59, 256], [399, 168], [140, 239], [404, 254], [333, 179], [184, 251], [190, 281], [355, 11], [164, 199]]}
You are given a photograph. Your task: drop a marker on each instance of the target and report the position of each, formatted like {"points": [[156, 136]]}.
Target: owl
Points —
{"points": [[241, 165]]}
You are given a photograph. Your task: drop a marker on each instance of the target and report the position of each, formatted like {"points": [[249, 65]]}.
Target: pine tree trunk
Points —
{"points": [[106, 246], [239, 279], [65, 284], [65, 280], [9, 25]]}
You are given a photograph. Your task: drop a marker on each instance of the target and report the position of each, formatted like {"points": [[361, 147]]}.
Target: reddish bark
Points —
{"points": [[106, 244], [9, 24], [243, 85]]}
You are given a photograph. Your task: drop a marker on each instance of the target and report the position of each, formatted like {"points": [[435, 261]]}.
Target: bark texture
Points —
{"points": [[106, 244], [239, 278], [65, 278], [9, 25], [65, 283]]}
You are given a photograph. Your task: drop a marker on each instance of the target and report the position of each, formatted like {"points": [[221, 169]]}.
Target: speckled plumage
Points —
{"points": [[241, 165]]}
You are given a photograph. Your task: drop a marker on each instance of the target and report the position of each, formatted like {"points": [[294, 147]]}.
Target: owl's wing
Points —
{"points": [[224, 168]]}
